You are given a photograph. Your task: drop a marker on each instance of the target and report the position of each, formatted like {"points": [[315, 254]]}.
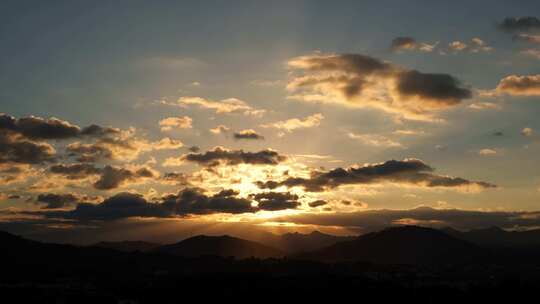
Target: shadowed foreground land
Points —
{"points": [[51, 273]]}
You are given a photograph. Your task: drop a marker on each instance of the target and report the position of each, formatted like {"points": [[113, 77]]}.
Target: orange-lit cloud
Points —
{"points": [[527, 85], [170, 123], [362, 81], [292, 124]]}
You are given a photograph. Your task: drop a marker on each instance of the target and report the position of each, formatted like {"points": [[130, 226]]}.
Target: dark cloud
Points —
{"points": [[194, 201], [19, 150], [186, 202], [318, 203], [222, 156], [363, 81], [403, 43], [37, 128], [125, 143], [408, 171], [247, 134], [194, 149], [88, 152], [99, 131], [113, 177], [54, 201], [274, 201], [75, 171], [189, 201], [356, 63], [122, 205], [109, 177], [442, 88], [371, 220], [180, 179], [22, 140], [520, 24]]}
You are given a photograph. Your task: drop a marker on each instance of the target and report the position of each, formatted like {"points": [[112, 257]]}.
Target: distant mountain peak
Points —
{"points": [[400, 245], [223, 245]]}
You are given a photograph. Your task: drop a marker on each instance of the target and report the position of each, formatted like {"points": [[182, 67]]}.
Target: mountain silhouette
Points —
{"points": [[495, 237], [128, 246], [401, 245], [295, 243], [225, 246]]}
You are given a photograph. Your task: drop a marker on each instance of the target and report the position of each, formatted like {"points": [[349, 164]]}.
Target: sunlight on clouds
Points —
{"points": [[357, 80], [375, 140], [292, 124]]}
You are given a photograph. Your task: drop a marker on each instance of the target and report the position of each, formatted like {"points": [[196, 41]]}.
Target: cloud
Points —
{"points": [[121, 205], [229, 105], [193, 201], [178, 178], [173, 162], [408, 132], [54, 201], [223, 156], [14, 149], [220, 129], [37, 128], [99, 131], [375, 140], [194, 149], [407, 172], [124, 146], [187, 202], [318, 203], [75, 171], [15, 173], [25, 140], [273, 201], [362, 81], [532, 38], [372, 220], [292, 124], [167, 143], [404, 44], [114, 177], [248, 134], [88, 152], [528, 85], [476, 45], [487, 152], [531, 53], [527, 132], [457, 46], [109, 177], [484, 106], [400, 44], [519, 24], [169, 123]]}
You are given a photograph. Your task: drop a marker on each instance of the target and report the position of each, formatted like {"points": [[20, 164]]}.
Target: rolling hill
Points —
{"points": [[400, 245], [225, 246]]}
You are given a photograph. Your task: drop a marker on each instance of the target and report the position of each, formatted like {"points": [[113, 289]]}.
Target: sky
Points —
{"points": [[160, 120]]}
